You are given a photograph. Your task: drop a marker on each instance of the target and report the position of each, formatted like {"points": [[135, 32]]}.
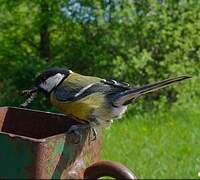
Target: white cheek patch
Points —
{"points": [[51, 82]]}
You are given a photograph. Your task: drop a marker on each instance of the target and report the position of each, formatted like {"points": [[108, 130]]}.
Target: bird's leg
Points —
{"points": [[93, 124], [76, 129], [94, 133]]}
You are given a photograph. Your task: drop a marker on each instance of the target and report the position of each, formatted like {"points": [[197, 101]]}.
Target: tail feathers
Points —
{"points": [[126, 96]]}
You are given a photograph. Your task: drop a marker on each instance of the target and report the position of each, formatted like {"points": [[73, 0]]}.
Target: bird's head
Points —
{"points": [[46, 82], [51, 78]]}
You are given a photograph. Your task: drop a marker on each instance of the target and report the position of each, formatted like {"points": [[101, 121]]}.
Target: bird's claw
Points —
{"points": [[76, 129], [94, 133]]}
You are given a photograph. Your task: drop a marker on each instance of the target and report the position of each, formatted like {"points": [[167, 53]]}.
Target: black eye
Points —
{"points": [[43, 79]]}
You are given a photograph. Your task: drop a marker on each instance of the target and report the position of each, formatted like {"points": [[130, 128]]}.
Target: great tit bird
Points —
{"points": [[91, 100]]}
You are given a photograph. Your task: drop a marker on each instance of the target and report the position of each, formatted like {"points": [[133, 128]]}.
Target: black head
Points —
{"points": [[51, 78], [46, 82]]}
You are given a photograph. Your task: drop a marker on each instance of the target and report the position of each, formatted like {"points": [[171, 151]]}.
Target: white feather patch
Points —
{"points": [[83, 90], [52, 82]]}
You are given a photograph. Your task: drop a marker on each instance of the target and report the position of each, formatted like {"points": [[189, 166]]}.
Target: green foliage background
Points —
{"points": [[134, 41]]}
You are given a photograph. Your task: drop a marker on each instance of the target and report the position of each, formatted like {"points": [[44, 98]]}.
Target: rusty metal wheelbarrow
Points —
{"points": [[34, 145]]}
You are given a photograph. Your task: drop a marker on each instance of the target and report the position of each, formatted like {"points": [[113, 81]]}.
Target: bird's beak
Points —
{"points": [[29, 92]]}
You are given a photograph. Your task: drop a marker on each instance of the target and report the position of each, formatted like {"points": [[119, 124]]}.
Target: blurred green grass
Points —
{"points": [[164, 144]]}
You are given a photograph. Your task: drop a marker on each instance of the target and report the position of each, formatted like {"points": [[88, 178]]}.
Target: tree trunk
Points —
{"points": [[45, 51]]}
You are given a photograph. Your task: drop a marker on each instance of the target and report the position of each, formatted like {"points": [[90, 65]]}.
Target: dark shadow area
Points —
{"points": [[34, 124]]}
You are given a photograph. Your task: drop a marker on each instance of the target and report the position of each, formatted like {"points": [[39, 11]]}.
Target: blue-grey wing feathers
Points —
{"points": [[118, 94], [64, 93], [73, 93]]}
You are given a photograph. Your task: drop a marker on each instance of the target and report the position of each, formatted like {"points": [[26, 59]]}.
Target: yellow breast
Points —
{"points": [[83, 108]]}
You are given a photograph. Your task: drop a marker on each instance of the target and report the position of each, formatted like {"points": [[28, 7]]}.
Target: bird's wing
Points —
{"points": [[66, 93], [73, 92], [73, 85]]}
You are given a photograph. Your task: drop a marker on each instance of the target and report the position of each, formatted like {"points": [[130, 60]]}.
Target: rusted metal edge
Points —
{"points": [[108, 168], [24, 137], [34, 110]]}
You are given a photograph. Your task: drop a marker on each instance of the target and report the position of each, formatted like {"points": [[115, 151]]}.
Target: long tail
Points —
{"points": [[126, 96]]}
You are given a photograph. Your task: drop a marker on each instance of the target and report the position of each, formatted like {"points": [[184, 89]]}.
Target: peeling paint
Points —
{"points": [[34, 145], [15, 152]]}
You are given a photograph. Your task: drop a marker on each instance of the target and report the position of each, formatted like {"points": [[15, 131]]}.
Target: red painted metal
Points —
{"points": [[35, 145], [42, 137]]}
